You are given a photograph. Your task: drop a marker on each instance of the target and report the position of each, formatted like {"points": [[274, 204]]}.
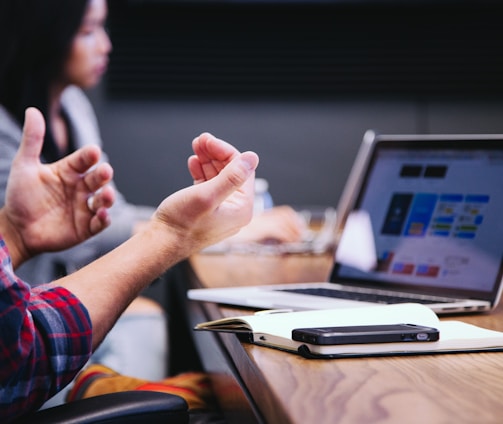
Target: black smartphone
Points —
{"points": [[356, 334]]}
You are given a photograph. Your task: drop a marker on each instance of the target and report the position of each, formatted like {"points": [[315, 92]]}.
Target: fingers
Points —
{"points": [[234, 176], [195, 169], [102, 196], [98, 204], [211, 156], [33, 140], [99, 221], [33, 135], [215, 209], [98, 177], [102, 199], [208, 148], [83, 159]]}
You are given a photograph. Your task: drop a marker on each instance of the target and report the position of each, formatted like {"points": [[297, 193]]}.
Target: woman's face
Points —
{"points": [[91, 46]]}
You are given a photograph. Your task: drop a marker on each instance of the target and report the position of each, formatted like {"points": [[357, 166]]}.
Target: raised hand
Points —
{"points": [[54, 206], [220, 202]]}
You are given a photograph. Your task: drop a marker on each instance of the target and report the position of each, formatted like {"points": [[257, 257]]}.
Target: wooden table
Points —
{"points": [[258, 384]]}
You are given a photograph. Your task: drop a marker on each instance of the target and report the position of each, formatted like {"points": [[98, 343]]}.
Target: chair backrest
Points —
{"points": [[129, 407]]}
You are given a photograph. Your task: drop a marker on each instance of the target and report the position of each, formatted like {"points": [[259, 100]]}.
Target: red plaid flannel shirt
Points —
{"points": [[45, 339]]}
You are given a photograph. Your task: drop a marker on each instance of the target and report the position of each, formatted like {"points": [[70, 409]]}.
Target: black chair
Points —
{"points": [[129, 407]]}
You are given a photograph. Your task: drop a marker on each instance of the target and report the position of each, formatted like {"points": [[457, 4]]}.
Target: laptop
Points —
{"points": [[433, 209]]}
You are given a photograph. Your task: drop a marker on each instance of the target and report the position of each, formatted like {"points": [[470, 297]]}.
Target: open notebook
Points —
{"points": [[275, 330], [429, 230]]}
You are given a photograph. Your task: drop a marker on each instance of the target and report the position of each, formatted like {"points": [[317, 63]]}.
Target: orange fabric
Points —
{"points": [[97, 379]]}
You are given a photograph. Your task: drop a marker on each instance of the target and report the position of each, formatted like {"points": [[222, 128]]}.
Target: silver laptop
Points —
{"points": [[434, 208]]}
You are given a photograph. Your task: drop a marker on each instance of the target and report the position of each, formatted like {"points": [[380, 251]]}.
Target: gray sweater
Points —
{"points": [[84, 127]]}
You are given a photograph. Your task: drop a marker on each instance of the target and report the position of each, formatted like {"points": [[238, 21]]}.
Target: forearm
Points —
{"points": [[109, 284]]}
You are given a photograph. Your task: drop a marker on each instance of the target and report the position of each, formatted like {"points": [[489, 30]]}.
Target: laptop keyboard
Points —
{"points": [[365, 297]]}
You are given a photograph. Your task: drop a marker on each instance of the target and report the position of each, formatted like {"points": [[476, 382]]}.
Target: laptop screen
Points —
{"points": [[436, 209]]}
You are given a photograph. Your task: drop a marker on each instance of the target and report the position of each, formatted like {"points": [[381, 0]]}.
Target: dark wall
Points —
{"points": [[305, 49], [308, 131]]}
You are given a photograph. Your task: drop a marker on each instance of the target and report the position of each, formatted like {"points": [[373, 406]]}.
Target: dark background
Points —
{"points": [[299, 82]]}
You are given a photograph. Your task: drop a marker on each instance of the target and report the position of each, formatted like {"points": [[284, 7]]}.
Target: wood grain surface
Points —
{"points": [[447, 388]]}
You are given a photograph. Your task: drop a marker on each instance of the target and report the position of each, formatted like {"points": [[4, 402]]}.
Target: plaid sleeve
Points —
{"points": [[45, 339]]}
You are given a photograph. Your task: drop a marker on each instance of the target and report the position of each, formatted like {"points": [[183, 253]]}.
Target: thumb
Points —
{"points": [[33, 135], [235, 175]]}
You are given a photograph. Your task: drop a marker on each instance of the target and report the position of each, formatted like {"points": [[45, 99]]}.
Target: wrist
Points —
{"points": [[165, 242], [13, 240]]}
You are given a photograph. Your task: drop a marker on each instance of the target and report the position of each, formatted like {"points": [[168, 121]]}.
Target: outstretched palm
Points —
{"points": [[48, 203]]}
